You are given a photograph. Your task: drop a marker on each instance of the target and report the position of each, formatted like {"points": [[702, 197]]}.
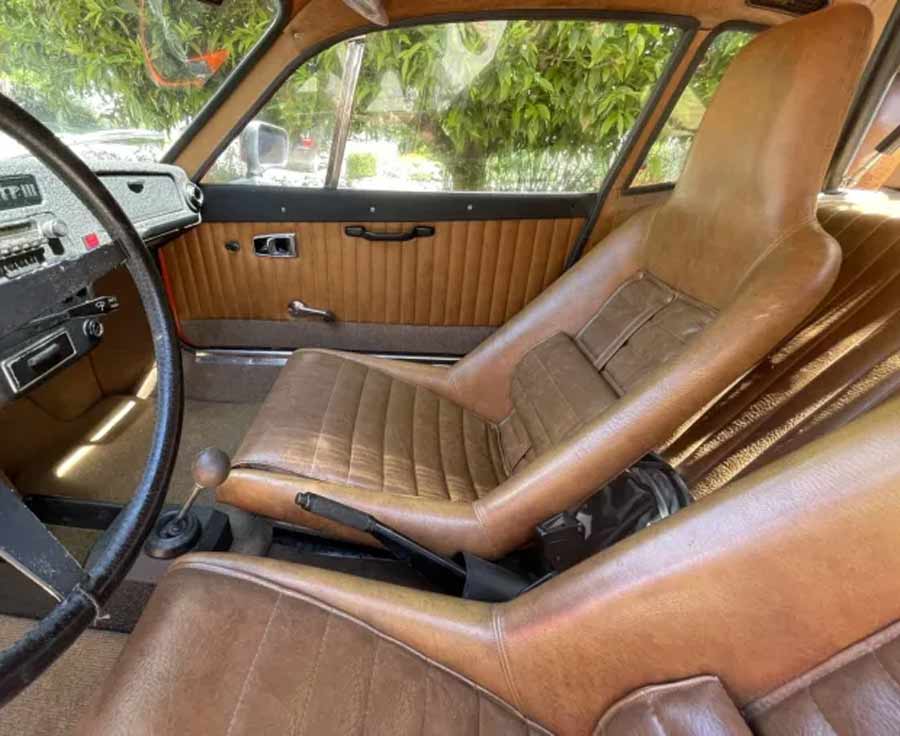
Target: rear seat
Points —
{"points": [[842, 362]]}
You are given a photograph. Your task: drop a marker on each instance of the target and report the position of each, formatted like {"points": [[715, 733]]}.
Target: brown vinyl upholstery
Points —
{"points": [[470, 273], [699, 705], [748, 586], [843, 361], [594, 372]]}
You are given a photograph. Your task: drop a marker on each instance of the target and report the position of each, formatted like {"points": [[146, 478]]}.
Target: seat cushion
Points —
{"points": [[284, 663], [331, 418]]}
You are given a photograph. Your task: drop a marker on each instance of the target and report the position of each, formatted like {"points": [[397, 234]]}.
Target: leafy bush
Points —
{"points": [[361, 166]]}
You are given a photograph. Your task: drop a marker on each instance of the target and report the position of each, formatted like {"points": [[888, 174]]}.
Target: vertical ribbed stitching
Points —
{"points": [[359, 402], [812, 698], [337, 380], [893, 680], [552, 379], [465, 444], [412, 439], [312, 677], [368, 699], [252, 666], [532, 406], [441, 452], [384, 424], [424, 720]]}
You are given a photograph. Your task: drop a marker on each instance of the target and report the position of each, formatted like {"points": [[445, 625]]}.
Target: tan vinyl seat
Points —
{"points": [[842, 362], [731, 608], [650, 327]]}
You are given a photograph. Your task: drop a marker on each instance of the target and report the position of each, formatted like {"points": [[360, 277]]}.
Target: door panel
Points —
{"points": [[443, 293]]}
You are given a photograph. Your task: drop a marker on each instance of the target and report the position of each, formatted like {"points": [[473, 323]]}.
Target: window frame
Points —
{"points": [[729, 25], [231, 82], [687, 24]]}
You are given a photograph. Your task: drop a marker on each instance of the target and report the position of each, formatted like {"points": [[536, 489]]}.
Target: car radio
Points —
{"points": [[30, 244]]}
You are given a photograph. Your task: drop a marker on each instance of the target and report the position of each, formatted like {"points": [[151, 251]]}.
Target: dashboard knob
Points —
{"points": [[55, 228], [93, 328]]}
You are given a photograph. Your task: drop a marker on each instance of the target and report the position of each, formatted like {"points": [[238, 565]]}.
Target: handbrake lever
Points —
{"points": [[464, 575], [441, 570]]}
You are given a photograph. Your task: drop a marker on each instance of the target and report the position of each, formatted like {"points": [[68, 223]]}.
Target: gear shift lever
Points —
{"points": [[177, 531]]}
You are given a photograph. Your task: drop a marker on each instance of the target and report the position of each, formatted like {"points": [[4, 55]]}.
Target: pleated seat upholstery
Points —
{"points": [[337, 420]]}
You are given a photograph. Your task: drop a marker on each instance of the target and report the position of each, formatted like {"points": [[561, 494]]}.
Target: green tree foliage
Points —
{"points": [[79, 64], [547, 106], [520, 105]]}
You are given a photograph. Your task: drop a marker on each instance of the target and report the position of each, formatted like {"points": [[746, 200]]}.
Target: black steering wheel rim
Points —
{"points": [[21, 663]]}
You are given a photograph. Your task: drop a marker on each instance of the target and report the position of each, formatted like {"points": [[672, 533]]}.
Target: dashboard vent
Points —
{"points": [[194, 196], [796, 7]]}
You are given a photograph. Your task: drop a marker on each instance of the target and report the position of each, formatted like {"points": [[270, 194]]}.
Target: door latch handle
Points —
{"points": [[296, 308], [275, 245]]}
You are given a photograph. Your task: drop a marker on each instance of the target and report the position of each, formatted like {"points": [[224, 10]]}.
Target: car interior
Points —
{"points": [[404, 367]]}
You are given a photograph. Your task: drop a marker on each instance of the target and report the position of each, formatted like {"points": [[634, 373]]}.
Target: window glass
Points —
{"points": [[519, 106], [304, 110], [667, 155], [120, 79]]}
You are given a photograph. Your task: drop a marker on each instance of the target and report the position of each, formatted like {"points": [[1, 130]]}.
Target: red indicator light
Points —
{"points": [[91, 241]]}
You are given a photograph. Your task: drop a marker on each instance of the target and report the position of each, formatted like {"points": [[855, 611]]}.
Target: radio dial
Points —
{"points": [[55, 228]]}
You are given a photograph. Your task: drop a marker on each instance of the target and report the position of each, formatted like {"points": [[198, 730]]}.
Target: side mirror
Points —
{"points": [[263, 146]]}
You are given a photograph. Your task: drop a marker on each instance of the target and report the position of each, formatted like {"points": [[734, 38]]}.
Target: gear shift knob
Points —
{"points": [[211, 468]]}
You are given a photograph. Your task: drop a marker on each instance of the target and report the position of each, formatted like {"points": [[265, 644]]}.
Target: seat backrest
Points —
{"points": [[729, 265], [843, 361]]}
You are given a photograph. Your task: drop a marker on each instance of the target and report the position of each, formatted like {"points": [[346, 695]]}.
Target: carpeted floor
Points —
{"points": [[110, 467], [52, 705]]}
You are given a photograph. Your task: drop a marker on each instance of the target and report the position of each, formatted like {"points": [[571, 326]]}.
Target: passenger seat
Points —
{"points": [[843, 361], [650, 327]]}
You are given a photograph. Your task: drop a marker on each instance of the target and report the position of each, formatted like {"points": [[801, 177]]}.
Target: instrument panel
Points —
{"points": [[44, 225]]}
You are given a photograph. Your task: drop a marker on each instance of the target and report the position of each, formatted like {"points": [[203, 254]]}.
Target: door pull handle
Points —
{"points": [[419, 231], [296, 309]]}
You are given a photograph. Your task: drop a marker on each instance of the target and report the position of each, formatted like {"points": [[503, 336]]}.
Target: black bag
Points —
{"points": [[650, 490]]}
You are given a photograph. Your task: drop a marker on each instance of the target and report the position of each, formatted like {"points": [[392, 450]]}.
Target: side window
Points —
{"points": [[304, 108], [513, 106], [666, 157]]}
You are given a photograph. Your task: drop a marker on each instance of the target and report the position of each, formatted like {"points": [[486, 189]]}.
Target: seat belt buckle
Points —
{"points": [[562, 541]]}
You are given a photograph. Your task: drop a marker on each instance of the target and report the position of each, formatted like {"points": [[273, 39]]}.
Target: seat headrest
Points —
{"points": [[771, 128], [760, 156]]}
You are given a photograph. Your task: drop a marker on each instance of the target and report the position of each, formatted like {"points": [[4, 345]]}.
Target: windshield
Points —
{"points": [[121, 79]]}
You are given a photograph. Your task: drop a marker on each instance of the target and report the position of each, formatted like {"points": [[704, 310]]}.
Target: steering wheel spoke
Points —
{"points": [[29, 546]]}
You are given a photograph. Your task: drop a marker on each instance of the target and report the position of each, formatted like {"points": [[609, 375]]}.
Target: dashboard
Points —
{"points": [[44, 229]]}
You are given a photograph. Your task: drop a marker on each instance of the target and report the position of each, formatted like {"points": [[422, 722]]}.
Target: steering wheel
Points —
{"points": [[26, 542]]}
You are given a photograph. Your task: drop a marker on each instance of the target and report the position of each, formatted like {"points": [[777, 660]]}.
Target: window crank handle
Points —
{"points": [[296, 308]]}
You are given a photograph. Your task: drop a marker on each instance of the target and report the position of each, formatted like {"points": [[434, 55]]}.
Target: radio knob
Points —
{"points": [[55, 228]]}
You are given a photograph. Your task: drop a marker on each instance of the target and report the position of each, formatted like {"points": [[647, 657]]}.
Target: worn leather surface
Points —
{"points": [[687, 708], [737, 242], [341, 421], [554, 392], [469, 273], [857, 691], [283, 663], [844, 360], [748, 584]]}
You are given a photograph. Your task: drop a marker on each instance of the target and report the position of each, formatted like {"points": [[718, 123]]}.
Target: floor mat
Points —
{"points": [[109, 466], [52, 705]]}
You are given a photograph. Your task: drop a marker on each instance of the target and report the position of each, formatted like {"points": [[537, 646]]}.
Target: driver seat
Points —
{"points": [[651, 326], [727, 609]]}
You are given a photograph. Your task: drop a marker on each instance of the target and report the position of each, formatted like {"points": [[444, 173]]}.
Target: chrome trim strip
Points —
{"points": [[224, 356]]}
